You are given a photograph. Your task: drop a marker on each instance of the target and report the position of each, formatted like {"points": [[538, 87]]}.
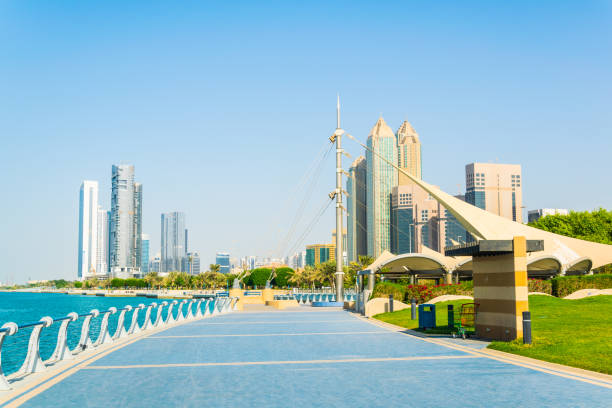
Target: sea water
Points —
{"points": [[23, 307]]}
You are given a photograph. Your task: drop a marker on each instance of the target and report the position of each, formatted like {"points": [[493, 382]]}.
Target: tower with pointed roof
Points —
{"points": [[381, 178], [408, 152]]}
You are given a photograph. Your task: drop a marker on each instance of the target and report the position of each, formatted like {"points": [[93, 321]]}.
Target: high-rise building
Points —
{"points": [[251, 262], [496, 188], [137, 234], [344, 244], [156, 263], [144, 254], [381, 178], [319, 253], [357, 240], [193, 263], [416, 220], [408, 153], [88, 229], [173, 249], [102, 259], [454, 232], [122, 221], [223, 260]]}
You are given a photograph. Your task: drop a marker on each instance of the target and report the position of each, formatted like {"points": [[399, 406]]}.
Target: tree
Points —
{"points": [[78, 284], [595, 226], [260, 276], [153, 279], [117, 283], [283, 274], [214, 267]]}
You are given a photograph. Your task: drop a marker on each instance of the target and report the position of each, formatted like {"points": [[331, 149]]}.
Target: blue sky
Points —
{"points": [[223, 106]]}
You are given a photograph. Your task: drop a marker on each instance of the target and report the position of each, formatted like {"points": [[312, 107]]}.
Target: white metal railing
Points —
{"points": [[33, 362]]}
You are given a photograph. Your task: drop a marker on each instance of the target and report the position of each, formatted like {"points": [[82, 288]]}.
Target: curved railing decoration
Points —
{"points": [[33, 362]]}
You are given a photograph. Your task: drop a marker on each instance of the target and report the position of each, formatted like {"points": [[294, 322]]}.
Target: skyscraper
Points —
{"points": [[102, 259], [122, 221], [409, 153], [381, 178], [357, 240], [137, 234], [193, 262], [496, 188], [223, 260], [88, 229], [416, 220], [173, 249], [144, 253]]}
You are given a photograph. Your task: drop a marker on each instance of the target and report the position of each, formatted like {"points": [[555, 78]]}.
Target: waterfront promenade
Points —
{"points": [[306, 357]]}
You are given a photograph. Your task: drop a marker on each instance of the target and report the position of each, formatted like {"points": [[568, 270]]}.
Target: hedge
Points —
{"points": [[281, 279], [539, 285], [384, 289], [566, 285]]}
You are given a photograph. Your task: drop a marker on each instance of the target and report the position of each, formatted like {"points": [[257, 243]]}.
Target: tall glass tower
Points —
{"points": [[88, 229], [173, 245], [381, 178], [357, 241], [137, 234], [408, 153], [122, 221]]}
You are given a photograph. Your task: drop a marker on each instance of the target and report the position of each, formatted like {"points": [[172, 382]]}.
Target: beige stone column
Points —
{"points": [[500, 290], [239, 294]]}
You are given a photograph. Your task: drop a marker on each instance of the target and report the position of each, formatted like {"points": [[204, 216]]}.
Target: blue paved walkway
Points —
{"points": [[306, 358]]}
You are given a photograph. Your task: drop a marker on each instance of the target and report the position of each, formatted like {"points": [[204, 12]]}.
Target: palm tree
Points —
{"points": [[214, 267]]}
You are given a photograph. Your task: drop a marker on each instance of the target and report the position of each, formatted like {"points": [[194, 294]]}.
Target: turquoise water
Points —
{"points": [[24, 308]]}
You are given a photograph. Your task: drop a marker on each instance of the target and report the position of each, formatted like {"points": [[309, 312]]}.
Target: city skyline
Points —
{"points": [[475, 88]]}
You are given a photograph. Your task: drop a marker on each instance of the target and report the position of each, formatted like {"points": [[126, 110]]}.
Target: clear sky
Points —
{"points": [[223, 106]]}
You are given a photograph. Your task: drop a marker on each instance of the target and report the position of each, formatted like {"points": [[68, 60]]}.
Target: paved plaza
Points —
{"points": [[307, 357]]}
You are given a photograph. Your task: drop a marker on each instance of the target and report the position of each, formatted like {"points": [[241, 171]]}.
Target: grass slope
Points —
{"points": [[577, 333]]}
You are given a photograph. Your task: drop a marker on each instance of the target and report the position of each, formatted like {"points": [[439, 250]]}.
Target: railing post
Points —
{"points": [[11, 328], [179, 314], [120, 332], [147, 323], [207, 308], [526, 327], [189, 312], [104, 337], [159, 320], [85, 340], [62, 352], [170, 319], [33, 363], [134, 326], [198, 314], [413, 309]]}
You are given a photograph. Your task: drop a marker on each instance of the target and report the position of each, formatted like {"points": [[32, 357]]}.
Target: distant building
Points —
{"points": [[318, 253], [156, 263], [416, 220], [173, 248], [144, 254], [223, 260], [103, 245], [251, 260], [454, 232], [193, 262], [122, 260], [381, 178], [356, 217], [137, 245], [408, 153], [534, 215], [496, 188], [88, 229]]}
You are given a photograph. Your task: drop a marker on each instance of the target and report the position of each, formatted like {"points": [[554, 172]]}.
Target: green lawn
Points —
{"points": [[402, 317], [577, 333]]}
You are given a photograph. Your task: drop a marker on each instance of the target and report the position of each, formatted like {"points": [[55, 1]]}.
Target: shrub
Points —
{"points": [[78, 284], [539, 285], [566, 285], [422, 293], [117, 283], [465, 288], [384, 289]]}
